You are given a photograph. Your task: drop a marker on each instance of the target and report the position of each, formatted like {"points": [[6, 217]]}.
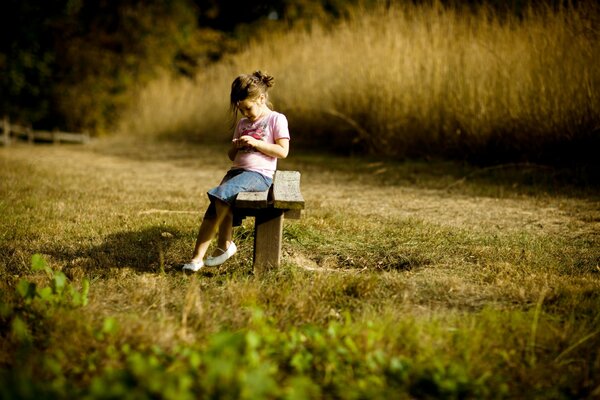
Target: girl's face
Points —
{"points": [[252, 109]]}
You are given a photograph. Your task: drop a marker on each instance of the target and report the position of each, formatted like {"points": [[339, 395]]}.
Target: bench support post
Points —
{"points": [[268, 229]]}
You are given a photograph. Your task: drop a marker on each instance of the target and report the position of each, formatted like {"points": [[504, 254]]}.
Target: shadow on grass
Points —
{"points": [[156, 249], [153, 249], [142, 250]]}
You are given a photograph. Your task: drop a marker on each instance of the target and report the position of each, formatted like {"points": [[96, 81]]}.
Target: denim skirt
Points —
{"points": [[234, 182]]}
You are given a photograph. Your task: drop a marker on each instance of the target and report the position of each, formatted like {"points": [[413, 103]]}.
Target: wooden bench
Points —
{"points": [[282, 200]]}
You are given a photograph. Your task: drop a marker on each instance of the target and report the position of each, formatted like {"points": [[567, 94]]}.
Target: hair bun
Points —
{"points": [[264, 78]]}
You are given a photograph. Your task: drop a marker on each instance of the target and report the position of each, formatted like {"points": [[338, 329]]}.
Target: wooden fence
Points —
{"points": [[11, 133]]}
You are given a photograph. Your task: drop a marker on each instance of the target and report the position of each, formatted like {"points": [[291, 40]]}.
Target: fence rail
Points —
{"points": [[13, 132]]}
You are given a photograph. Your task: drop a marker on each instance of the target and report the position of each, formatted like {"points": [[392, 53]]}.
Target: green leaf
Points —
{"points": [[259, 383], [38, 263], [26, 289], [302, 361], [85, 290], [302, 387], [20, 330], [252, 339], [45, 293], [75, 296], [110, 326], [5, 310], [59, 281]]}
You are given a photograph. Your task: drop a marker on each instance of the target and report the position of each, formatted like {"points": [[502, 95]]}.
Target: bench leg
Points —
{"points": [[268, 228]]}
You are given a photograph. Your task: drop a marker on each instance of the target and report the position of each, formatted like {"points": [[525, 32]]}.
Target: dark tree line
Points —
{"points": [[75, 64]]}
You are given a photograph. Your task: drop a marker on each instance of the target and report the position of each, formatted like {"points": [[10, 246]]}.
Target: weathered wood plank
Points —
{"points": [[71, 137], [252, 199], [5, 131], [18, 130], [292, 214], [58, 136], [268, 229], [286, 191], [43, 135]]}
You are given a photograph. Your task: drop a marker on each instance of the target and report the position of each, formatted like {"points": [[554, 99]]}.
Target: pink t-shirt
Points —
{"points": [[269, 128]]}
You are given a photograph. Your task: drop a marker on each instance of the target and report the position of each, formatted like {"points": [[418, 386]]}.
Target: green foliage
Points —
{"points": [[60, 292], [28, 319], [343, 360], [113, 48], [27, 59], [36, 304], [75, 65]]}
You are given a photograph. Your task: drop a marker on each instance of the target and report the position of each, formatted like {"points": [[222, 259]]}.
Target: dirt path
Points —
{"points": [[485, 214], [181, 178]]}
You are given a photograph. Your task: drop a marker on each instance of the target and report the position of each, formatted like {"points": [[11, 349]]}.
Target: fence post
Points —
{"points": [[6, 130], [30, 136]]}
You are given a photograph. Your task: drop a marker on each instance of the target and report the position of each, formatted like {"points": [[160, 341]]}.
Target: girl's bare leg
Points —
{"points": [[208, 229], [225, 228]]}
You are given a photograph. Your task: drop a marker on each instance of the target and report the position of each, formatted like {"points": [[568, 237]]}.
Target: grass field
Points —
{"points": [[401, 280]]}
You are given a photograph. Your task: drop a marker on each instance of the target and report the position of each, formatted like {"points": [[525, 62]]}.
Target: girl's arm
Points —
{"points": [[232, 152], [279, 149]]}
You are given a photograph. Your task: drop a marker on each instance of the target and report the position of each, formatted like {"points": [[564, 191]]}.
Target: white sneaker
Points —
{"points": [[193, 266], [218, 260]]}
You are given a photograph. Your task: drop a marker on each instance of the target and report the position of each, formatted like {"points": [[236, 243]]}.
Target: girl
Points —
{"points": [[259, 139]]}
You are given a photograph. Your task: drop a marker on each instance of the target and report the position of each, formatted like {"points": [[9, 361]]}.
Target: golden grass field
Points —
{"points": [[403, 280], [411, 81]]}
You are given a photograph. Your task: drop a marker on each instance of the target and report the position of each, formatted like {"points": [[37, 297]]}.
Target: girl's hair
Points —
{"points": [[250, 86]]}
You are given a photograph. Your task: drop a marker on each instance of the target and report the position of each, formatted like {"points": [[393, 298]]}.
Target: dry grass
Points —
{"points": [[493, 279], [412, 81]]}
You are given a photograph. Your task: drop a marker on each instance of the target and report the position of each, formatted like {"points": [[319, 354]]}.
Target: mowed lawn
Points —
{"points": [[420, 279]]}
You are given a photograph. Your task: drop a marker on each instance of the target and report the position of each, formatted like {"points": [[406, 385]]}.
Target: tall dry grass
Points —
{"points": [[411, 81]]}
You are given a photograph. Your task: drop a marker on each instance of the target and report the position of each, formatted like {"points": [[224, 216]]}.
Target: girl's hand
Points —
{"points": [[247, 141], [278, 149], [237, 144]]}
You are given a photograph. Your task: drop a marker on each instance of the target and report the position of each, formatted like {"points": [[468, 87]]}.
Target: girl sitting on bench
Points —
{"points": [[259, 139]]}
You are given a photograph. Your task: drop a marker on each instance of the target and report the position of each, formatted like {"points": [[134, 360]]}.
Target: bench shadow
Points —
{"points": [[147, 250], [140, 250], [155, 249]]}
